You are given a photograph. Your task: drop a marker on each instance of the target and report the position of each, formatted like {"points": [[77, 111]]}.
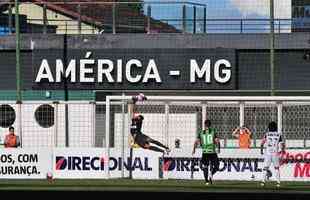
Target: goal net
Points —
{"points": [[175, 121]]}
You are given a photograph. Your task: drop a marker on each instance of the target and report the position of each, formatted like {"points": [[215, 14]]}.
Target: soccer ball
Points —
{"points": [[139, 97], [253, 177], [49, 176]]}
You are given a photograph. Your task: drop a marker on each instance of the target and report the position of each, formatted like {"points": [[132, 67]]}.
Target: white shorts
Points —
{"points": [[272, 158]]}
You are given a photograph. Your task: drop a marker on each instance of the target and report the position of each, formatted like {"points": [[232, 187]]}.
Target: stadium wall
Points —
{"points": [[39, 130], [252, 59], [251, 74]]}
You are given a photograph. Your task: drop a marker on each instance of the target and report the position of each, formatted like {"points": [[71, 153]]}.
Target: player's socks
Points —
{"points": [[278, 175], [159, 144], [265, 174], [211, 179], [205, 173], [214, 170], [269, 174], [153, 148]]}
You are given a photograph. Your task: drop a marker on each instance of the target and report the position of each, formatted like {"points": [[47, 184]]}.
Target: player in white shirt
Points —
{"points": [[274, 147]]}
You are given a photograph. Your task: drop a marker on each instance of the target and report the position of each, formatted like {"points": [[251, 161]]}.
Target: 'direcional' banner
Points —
{"points": [[135, 69], [238, 164], [92, 163]]}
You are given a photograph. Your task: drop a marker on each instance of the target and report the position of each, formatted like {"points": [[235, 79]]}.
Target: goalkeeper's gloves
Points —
{"points": [[140, 97]]}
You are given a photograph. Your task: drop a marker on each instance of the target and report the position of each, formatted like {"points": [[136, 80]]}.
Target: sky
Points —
{"points": [[227, 9], [235, 8]]}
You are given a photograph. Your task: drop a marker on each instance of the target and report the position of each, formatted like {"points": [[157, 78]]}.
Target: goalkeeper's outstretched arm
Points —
{"points": [[132, 104], [131, 107]]}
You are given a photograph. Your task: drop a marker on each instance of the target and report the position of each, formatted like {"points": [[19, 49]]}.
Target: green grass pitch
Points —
{"points": [[153, 186]]}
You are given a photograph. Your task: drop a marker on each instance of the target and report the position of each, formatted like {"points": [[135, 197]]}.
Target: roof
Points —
{"points": [[128, 18]]}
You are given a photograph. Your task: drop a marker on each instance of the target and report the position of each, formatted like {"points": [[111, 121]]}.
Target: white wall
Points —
{"points": [[81, 126]]}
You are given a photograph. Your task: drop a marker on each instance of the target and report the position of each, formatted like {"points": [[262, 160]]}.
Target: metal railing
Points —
{"points": [[99, 17], [128, 17], [213, 26], [237, 25]]}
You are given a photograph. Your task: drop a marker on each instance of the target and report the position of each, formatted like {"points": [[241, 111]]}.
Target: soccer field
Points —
{"points": [[153, 186]]}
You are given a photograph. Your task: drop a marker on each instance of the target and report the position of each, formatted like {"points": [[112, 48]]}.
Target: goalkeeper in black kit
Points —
{"points": [[139, 138]]}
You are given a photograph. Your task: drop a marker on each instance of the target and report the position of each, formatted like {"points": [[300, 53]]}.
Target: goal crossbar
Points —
{"points": [[216, 98]]}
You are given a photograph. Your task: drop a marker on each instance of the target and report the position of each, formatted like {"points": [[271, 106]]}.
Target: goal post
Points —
{"points": [[168, 118]]}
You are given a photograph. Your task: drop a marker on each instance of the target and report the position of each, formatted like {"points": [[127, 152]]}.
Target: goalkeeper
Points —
{"points": [[135, 129]]}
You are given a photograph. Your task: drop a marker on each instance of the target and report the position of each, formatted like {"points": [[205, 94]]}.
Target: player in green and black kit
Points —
{"points": [[208, 141]]}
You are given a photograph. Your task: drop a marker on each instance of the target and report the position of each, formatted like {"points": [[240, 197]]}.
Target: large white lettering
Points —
{"points": [[221, 67], [44, 72]]}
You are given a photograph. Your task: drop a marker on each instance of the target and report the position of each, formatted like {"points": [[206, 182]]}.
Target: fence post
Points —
{"points": [[66, 27], [204, 114], [56, 124], [167, 123], [279, 107], [44, 19], [204, 20], [194, 21], [79, 19], [114, 18], [93, 123], [17, 50], [149, 13], [123, 134], [107, 134], [10, 19], [20, 126], [272, 46], [241, 116], [131, 146], [184, 19], [66, 92], [254, 127]]}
